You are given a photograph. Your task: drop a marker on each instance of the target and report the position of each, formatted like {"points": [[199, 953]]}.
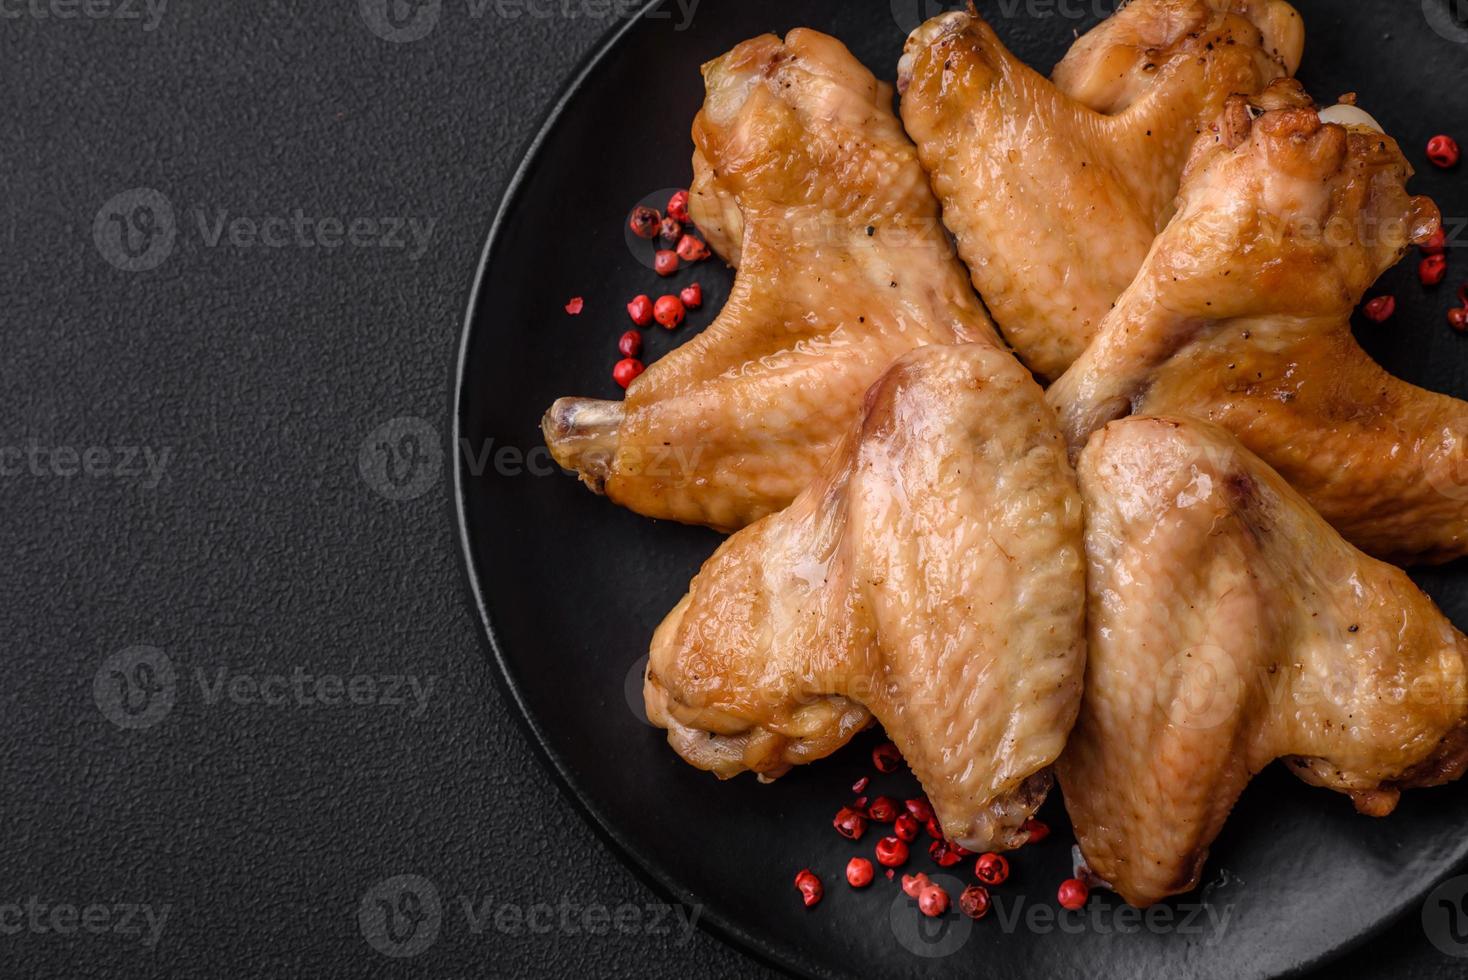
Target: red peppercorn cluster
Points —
{"points": [[676, 246], [908, 818]]}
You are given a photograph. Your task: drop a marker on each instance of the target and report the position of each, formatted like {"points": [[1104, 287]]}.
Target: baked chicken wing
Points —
{"points": [[806, 181], [1054, 191], [1229, 626], [931, 577], [1241, 316]]}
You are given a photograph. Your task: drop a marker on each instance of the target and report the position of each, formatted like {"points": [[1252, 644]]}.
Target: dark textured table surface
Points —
{"points": [[244, 688]]}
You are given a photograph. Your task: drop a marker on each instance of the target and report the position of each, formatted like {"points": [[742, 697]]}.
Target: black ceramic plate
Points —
{"points": [[571, 587]]}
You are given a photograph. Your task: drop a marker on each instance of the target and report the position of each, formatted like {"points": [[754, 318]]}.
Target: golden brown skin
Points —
{"points": [[843, 267], [1054, 192], [1241, 316], [931, 577], [1229, 626], [1137, 49]]}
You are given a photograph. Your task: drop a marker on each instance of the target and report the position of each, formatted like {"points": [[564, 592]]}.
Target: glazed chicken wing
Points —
{"points": [[931, 577], [806, 181], [1229, 626], [1241, 316], [1055, 191]]}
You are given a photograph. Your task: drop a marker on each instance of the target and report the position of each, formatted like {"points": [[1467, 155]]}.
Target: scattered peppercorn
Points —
{"points": [[883, 809], [991, 869], [933, 901], [678, 205], [861, 784], [668, 311], [640, 310], [630, 343], [692, 296], [670, 231], [1458, 318], [921, 809], [974, 902], [912, 885], [1037, 829], [1443, 151], [858, 872], [906, 827], [644, 222], [1380, 309], [810, 887], [886, 757], [627, 370], [1073, 894], [849, 823], [1432, 270], [1436, 244], [943, 854], [575, 305], [891, 852], [692, 249], [665, 262]]}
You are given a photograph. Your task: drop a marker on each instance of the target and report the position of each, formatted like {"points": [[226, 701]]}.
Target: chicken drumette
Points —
{"points": [[931, 577], [806, 181], [1229, 626], [1055, 191], [1241, 316]]}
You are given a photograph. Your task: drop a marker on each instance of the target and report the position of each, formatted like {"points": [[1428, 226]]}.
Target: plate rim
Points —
{"points": [[642, 866]]}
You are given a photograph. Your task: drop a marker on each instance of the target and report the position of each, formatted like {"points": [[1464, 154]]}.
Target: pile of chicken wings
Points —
{"points": [[1044, 442]]}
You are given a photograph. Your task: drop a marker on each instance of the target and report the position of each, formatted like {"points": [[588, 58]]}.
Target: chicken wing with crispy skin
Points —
{"points": [[843, 267], [1241, 316], [1229, 626], [931, 577], [1055, 191]]}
